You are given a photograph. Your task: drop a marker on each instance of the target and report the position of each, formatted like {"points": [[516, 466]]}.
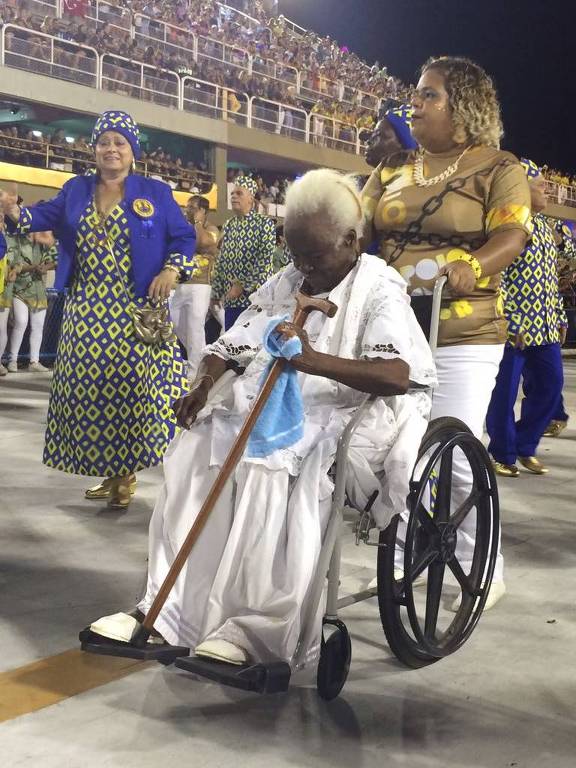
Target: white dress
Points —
{"points": [[250, 573]]}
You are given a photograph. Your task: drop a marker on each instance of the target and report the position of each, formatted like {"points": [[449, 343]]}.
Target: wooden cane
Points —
{"points": [[304, 305]]}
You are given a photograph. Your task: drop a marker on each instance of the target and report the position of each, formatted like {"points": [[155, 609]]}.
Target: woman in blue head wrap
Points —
{"points": [[123, 241]]}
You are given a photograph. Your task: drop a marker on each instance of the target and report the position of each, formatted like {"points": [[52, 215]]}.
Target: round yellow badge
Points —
{"points": [[143, 208]]}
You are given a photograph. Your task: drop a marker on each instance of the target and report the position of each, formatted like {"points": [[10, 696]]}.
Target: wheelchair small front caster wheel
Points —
{"points": [[335, 656]]}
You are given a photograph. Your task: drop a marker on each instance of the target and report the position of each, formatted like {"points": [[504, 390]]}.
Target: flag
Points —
{"points": [[75, 7]]}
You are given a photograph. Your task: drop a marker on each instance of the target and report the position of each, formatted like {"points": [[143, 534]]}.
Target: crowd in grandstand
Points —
{"points": [[324, 65]]}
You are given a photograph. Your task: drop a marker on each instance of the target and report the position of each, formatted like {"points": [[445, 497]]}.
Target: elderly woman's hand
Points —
{"points": [[461, 277], [188, 407], [304, 362]]}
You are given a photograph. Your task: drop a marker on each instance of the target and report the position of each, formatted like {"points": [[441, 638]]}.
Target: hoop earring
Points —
{"points": [[460, 136], [133, 166]]}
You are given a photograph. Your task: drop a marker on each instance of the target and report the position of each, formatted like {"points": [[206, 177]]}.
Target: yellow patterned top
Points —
{"points": [[420, 229]]}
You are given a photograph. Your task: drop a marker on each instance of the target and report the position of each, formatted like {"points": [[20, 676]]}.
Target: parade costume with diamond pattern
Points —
{"points": [[110, 409], [110, 412]]}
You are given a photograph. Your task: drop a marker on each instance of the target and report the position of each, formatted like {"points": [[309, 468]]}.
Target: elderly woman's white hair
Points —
{"points": [[327, 192]]}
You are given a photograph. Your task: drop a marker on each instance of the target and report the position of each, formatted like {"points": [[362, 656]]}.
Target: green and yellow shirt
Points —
{"points": [[532, 301], [246, 255]]}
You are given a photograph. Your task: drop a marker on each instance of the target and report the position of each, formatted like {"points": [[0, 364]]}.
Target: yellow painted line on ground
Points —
{"points": [[55, 678]]}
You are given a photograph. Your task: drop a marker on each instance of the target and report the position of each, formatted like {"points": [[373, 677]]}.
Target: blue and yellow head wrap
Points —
{"points": [[530, 168], [400, 118], [122, 123], [247, 182]]}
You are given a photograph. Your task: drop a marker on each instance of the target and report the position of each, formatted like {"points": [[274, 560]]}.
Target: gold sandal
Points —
{"points": [[120, 492], [102, 490]]}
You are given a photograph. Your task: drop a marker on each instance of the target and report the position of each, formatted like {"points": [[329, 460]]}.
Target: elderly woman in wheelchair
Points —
{"points": [[251, 589]]}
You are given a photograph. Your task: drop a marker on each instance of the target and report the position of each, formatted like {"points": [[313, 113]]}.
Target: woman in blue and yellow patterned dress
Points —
{"points": [[123, 240]]}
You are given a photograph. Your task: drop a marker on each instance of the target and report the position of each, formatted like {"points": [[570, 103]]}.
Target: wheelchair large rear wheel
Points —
{"points": [[419, 625]]}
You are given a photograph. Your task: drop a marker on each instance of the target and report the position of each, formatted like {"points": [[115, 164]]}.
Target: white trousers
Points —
{"points": [[21, 316], [188, 308], [4, 314], [248, 578], [466, 378]]}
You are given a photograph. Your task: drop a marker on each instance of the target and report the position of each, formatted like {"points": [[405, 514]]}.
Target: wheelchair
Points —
{"points": [[419, 545]]}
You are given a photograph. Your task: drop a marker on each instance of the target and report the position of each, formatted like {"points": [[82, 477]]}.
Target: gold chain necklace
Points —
{"points": [[418, 170]]}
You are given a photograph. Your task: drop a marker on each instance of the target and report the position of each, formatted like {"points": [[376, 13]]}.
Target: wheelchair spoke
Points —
{"points": [[460, 515], [433, 595], [442, 504], [425, 559], [461, 577]]}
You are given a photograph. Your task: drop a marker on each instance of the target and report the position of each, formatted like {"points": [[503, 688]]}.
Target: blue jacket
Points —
{"points": [[152, 238]]}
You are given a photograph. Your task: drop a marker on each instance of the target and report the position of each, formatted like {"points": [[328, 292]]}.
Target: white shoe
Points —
{"points": [[3, 370], [497, 592], [38, 368], [222, 650], [117, 626], [12, 367]]}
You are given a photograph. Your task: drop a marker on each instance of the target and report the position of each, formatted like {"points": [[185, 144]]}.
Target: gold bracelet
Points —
{"points": [[172, 268], [473, 262]]}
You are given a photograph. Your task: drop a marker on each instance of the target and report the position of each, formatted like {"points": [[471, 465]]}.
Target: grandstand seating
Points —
{"points": [[188, 69]]}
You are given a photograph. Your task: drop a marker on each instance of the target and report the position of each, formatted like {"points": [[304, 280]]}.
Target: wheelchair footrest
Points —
{"points": [[104, 646], [258, 678]]}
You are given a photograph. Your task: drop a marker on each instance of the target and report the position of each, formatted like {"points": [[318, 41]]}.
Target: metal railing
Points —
{"points": [[81, 64], [215, 101], [170, 36], [328, 132], [48, 55], [209, 49], [140, 81], [561, 193], [278, 118], [72, 159]]}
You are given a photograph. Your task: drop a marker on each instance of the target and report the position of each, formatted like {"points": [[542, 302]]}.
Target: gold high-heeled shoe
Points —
{"points": [[102, 490], [555, 428], [533, 465], [505, 470], [120, 493]]}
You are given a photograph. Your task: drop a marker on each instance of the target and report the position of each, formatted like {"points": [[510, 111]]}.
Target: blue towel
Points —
{"points": [[281, 422]]}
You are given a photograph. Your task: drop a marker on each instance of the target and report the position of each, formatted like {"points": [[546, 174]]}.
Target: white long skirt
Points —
{"points": [[249, 575]]}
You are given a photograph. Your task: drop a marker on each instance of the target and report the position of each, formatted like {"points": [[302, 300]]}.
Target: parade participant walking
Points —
{"points": [[118, 369], [36, 254], [190, 302], [7, 278], [247, 250], [537, 326], [458, 207]]}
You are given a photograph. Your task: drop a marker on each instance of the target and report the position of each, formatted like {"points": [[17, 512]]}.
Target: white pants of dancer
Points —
{"points": [[188, 307], [466, 378], [21, 316], [4, 314], [248, 578]]}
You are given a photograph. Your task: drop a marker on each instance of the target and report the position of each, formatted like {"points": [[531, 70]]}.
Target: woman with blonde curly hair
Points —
{"points": [[457, 206]]}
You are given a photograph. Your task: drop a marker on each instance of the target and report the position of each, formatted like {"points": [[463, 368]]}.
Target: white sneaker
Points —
{"points": [[497, 592], [12, 367], [3, 370], [38, 368]]}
